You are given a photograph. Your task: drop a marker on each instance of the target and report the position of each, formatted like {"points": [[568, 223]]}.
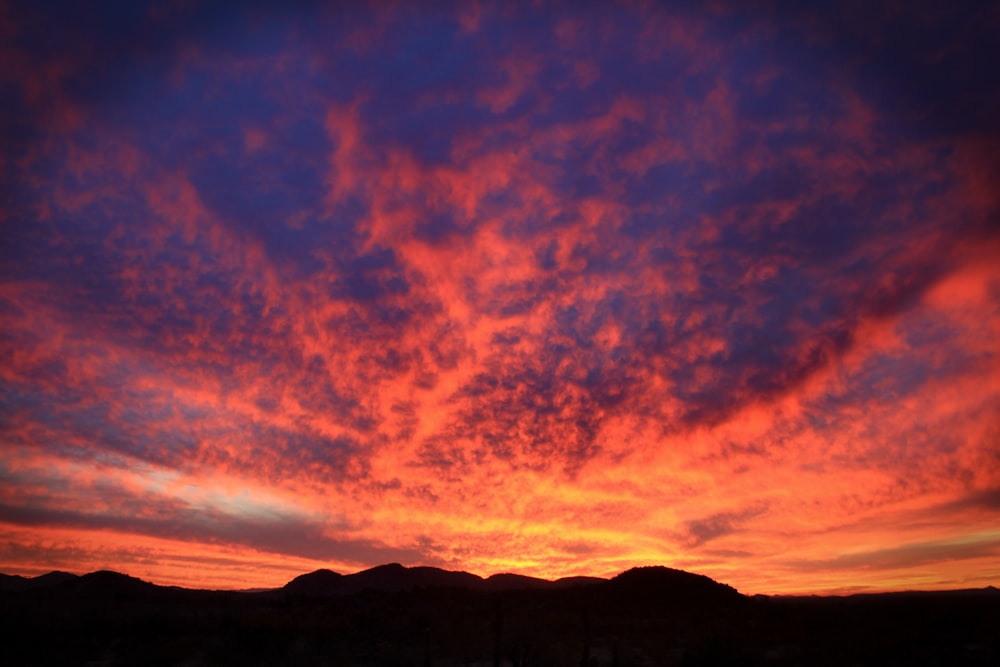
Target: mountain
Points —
{"points": [[19, 583], [667, 585], [387, 578], [432, 577], [397, 578], [573, 582], [52, 579], [101, 584], [514, 582], [642, 582], [13, 582], [105, 583], [318, 583], [645, 616]]}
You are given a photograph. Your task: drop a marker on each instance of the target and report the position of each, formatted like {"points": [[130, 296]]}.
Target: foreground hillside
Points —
{"points": [[391, 615]]}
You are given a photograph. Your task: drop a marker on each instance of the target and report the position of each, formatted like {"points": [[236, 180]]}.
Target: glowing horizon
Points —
{"points": [[547, 290]]}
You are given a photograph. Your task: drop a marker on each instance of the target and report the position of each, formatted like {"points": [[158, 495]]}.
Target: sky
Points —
{"points": [[548, 288]]}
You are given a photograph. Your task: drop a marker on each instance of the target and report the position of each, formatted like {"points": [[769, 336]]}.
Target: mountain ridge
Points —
{"points": [[394, 577], [645, 581], [389, 577], [396, 615], [16, 582]]}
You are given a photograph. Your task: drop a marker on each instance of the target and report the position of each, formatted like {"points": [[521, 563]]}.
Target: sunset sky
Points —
{"points": [[547, 288]]}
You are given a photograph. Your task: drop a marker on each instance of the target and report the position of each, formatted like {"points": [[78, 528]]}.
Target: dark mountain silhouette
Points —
{"points": [[643, 583], [391, 578], [395, 577], [320, 582], [658, 581], [658, 589], [53, 578], [19, 583], [513, 582], [573, 582], [396, 615], [637, 583], [13, 582], [104, 583]]}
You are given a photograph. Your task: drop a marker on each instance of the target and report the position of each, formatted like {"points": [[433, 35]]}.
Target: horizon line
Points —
{"points": [[848, 591]]}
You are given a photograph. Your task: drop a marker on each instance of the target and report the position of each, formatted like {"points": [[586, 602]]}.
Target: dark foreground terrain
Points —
{"points": [[393, 615]]}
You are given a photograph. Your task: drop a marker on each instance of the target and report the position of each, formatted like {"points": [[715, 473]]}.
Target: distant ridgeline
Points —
{"points": [[643, 582], [651, 581], [18, 583], [396, 578], [395, 615]]}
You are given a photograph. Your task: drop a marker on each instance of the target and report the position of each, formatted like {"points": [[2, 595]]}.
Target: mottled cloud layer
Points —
{"points": [[549, 290]]}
